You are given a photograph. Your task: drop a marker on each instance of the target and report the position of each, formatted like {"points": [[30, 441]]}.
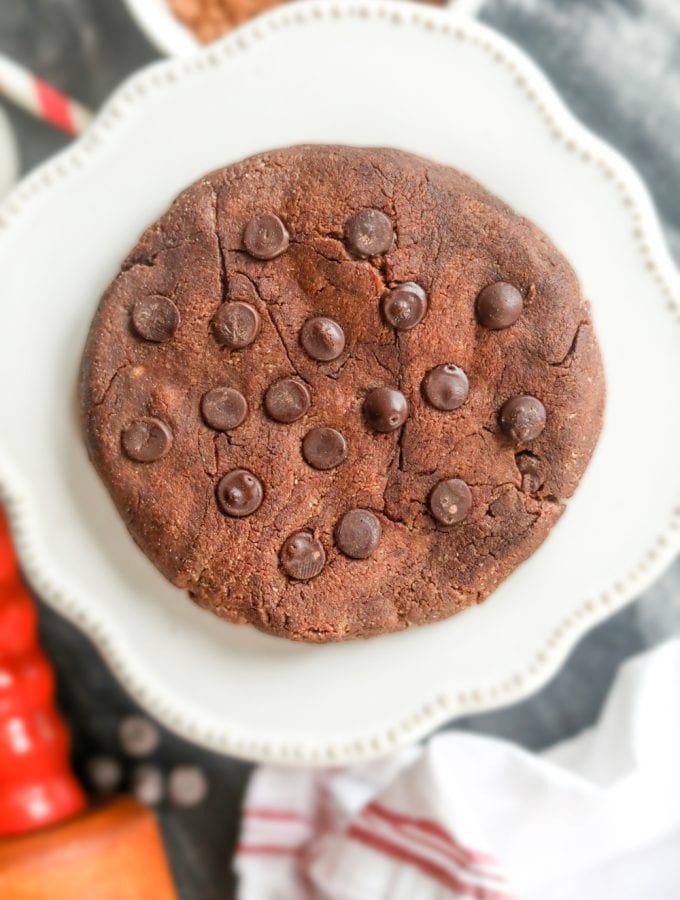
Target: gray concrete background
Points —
{"points": [[617, 65]]}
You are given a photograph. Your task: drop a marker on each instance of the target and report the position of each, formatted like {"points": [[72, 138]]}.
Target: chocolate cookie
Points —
{"points": [[334, 391]]}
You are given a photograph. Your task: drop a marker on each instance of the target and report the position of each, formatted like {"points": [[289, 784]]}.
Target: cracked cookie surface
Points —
{"points": [[337, 391]]}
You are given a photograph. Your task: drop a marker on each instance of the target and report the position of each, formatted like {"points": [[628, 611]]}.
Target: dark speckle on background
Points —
{"points": [[615, 62]]}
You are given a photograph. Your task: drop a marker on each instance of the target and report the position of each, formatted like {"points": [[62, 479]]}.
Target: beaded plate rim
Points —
{"points": [[223, 736]]}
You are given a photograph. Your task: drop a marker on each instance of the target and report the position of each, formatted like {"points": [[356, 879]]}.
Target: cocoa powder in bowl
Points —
{"points": [[210, 19]]}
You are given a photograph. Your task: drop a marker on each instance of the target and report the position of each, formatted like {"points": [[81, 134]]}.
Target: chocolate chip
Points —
{"points": [[286, 401], [523, 418], [239, 493], [323, 339], [148, 784], [385, 409], [499, 305], [302, 556], [104, 773], [138, 736], [187, 786], [235, 325], [265, 237], [155, 318], [358, 533], [405, 306], [324, 448], [224, 408], [446, 387], [450, 501], [146, 440], [369, 233]]}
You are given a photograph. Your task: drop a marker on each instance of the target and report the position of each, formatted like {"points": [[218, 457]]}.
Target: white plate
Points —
{"points": [[458, 93]]}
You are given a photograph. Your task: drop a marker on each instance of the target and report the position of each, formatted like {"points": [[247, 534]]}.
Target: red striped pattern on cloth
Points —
{"points": [[436, 868], [432, 834], [268, 831], [409, 840], [425, 844], [54, 106], [273, 815]]}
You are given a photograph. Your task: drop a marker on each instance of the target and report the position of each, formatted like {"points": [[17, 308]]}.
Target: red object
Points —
{"points": [[36, 784], [441, 873], [55, 106], [113, 852]]}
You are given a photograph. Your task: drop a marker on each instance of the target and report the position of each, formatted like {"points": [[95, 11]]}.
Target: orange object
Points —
{"points": [[114, 853], [36, 784], [111, 853]]}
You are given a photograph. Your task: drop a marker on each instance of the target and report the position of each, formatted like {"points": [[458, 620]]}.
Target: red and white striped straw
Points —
{"points": [[41, 99]]}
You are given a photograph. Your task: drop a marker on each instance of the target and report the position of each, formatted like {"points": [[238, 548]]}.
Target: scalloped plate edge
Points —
{"points": [[222, 736]]}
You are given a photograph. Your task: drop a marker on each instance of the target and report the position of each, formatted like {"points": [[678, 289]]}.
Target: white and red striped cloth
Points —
{"points": [[41, 99], [467, 816]]}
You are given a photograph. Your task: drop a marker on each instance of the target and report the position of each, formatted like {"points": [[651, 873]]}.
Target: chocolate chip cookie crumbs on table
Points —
{"points": [[414, 374], [187, 786], [138, 735], [147, 784], [104, 774]]}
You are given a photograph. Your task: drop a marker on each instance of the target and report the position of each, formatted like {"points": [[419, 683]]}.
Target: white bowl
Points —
{"points": [[163, 28], [63, 233], [170, 36]]}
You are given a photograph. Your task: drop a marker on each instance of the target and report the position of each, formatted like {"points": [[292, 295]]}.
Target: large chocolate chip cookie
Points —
{"points": [[337, 391]]}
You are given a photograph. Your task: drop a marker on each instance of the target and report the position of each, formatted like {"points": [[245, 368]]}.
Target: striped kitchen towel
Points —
{"points": [[467, 816]]}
